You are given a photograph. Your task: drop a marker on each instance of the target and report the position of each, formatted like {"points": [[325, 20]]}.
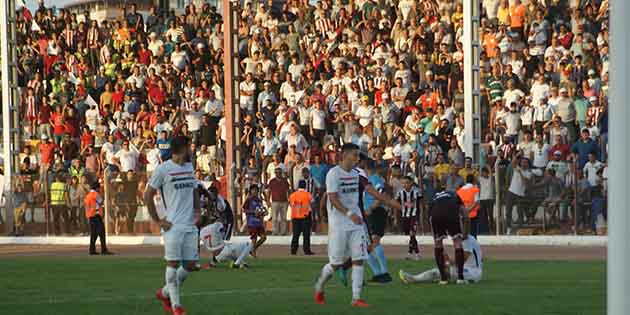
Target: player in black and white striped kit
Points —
{"points": [[410, 199]]}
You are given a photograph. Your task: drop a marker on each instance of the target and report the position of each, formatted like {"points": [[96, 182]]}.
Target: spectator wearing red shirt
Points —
{"points": [[564, 148], [71, 123], [157, 96], [43, 118], [278, 197], [47, 150], [87, 139], [144, 55], [56, 120]]}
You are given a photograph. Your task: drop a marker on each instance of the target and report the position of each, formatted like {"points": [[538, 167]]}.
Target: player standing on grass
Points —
{"points": [[177, 185], [410, 199], [347, 237], [448, 217]]}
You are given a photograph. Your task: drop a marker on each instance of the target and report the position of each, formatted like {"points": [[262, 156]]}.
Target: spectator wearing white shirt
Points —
{"points": [[516, 191], [127, 157], [193, 120], [179, 58], [591, 168], [247, 89], [318, 121], [540, 153]]}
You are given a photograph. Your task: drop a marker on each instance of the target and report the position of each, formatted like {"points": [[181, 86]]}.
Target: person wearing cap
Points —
{"points": [[94, 205], [558, 165], [300, 205], [266, 95]]}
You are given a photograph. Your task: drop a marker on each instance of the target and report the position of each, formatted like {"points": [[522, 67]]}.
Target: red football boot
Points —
{"points": [[166, 302], [319, 298], [179, 311], [360, 303]]}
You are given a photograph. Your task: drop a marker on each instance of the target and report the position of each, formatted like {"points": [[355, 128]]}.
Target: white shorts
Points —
{"points": [[470, 274], [231, 251], [181, 245], [343, 244]]}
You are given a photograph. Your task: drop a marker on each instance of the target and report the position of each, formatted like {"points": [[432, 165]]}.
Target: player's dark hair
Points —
{"points": [[349, 147], [179, 144], [252, 187], [407, 177], [470, 178], [302, 184]]}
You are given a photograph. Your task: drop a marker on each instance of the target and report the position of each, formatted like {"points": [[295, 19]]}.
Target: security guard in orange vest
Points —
{"points": [[469, 194], [94, 213], [300, 203]]}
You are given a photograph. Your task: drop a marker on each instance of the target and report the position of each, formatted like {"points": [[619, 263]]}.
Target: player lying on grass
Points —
{"points": [[255, 211], [473, 266], [213, 239]]}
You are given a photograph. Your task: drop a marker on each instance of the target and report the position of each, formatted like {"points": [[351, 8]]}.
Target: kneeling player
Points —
{"points": [[213, 238], [473, 266], [447, 217]]}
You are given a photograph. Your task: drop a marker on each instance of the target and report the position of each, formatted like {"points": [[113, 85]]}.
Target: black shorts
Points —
{"points": [[377, 220], [446, 224], [410, 225]]}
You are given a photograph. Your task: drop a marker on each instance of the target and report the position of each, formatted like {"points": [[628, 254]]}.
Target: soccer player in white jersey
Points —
{"points": [[213, 238], [346, 233], [473, 266], [175, 179]]}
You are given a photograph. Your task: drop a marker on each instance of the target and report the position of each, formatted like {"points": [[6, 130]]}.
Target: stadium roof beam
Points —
{"points": [[230, 86], [472, 106], [10, 100], [619, 175]]}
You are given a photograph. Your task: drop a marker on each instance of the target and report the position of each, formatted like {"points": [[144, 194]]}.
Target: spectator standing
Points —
{"points": [[300, 203], [278, 195], [94, 212]]}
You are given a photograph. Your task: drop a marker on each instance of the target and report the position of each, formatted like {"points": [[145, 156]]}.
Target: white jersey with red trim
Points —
{"points": [[212, 236], [176, 184]]}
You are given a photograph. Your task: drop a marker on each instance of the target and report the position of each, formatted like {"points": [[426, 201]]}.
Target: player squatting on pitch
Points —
{"points": [[213, 238], [448, 216], [346, 235], [473, 267], [176, 182]]}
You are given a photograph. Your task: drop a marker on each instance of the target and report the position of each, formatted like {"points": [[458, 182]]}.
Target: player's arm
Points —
{"points": [[334, 200], [465, 221], [196, 205], [149, 193], [382, 197]]}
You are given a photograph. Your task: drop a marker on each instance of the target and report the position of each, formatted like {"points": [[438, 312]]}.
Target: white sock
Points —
{"points": [[244, 253], [327, 272], [427, 276], [179, 281], [170, 289], [357, 281]]}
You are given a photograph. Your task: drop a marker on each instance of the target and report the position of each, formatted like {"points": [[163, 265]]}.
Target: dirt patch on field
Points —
{"points": [[278, 251]]}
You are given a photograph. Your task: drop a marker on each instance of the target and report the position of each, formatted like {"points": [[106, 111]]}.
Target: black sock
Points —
{"points": [[459, 261], [413, 245], [439, 260]]}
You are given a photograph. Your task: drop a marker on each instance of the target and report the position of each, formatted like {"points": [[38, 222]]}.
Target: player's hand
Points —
{"points": [[356, 219], [165, 225]]}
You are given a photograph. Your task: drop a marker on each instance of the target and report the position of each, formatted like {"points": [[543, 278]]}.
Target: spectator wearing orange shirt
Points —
{"points": [[300, 203], [517, 17]]}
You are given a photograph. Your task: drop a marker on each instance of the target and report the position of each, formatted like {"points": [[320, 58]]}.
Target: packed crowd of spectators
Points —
{"points": [[106, 96]]}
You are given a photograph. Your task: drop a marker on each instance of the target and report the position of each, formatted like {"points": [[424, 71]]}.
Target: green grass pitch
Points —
{"points": [[120, 286]]}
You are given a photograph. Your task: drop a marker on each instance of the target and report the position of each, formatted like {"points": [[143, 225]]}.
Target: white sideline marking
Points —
{"points": [[54, 300]]}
